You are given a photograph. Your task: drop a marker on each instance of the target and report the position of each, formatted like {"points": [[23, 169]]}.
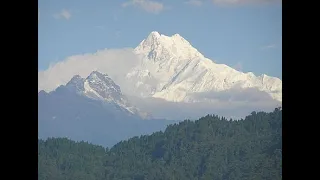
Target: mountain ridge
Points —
{"points": [[170, 68], [99, 86], [66, 112], [179, 69]]}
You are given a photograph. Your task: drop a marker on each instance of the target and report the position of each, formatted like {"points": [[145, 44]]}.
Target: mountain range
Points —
{"points": [[101, 87], [101, 109], [92, 109], [171, 69], [167, 67]]}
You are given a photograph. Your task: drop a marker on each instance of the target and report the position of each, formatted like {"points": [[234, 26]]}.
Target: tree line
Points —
{"points": [[209, 148]]}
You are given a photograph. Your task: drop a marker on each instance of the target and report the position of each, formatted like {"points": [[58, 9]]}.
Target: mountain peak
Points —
{"points": [[156, 38], [158, 46], [76, 83], [154, 34], [95, 74], [100, 86], [178, 37], [42, 93], [75, 78]]}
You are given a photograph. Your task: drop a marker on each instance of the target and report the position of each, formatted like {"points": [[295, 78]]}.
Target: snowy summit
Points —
{"points": [[172, 69], [101, 87]]}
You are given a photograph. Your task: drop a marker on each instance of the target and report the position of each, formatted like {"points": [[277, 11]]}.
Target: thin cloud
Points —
{"points": [[63, 14], [147, 5], [115, 62], [270, 46], [230, 103], [236, 94], [194, 2], [236, 2]]}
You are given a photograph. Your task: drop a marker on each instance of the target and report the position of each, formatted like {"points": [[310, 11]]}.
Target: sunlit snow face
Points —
{"points": [[162, 47]]}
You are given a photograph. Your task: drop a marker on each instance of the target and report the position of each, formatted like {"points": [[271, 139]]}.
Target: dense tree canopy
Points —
{"points": [[209, 148]]}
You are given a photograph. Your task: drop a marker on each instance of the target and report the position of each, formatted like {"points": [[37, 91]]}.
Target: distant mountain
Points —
{"points": [[164, 72], [169, 78], [92, 109], [209, 148], [173, 70], [101, 87]]}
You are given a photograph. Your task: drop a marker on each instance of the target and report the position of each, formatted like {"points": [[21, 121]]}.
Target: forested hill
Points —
{"points": [[210, 148]]}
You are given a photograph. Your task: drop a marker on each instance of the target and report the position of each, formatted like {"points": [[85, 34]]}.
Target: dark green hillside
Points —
{"points": [[209, 148]]}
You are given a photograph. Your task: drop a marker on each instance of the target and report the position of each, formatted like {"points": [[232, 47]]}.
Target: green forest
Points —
{"points": [[211, 148]]}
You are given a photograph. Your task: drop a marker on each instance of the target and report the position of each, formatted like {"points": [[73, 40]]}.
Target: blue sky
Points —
{"points": [[244, 34]]}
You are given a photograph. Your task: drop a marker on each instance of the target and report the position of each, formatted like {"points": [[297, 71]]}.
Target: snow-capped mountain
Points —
{"points": [[173, 70], [65, 112], [100, 86]]}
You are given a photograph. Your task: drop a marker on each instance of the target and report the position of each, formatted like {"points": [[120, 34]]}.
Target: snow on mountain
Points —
{"points": [[100, 86], [173, 70]]}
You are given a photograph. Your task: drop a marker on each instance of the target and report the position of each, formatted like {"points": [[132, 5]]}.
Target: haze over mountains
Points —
{"points": [[92, 109]]}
